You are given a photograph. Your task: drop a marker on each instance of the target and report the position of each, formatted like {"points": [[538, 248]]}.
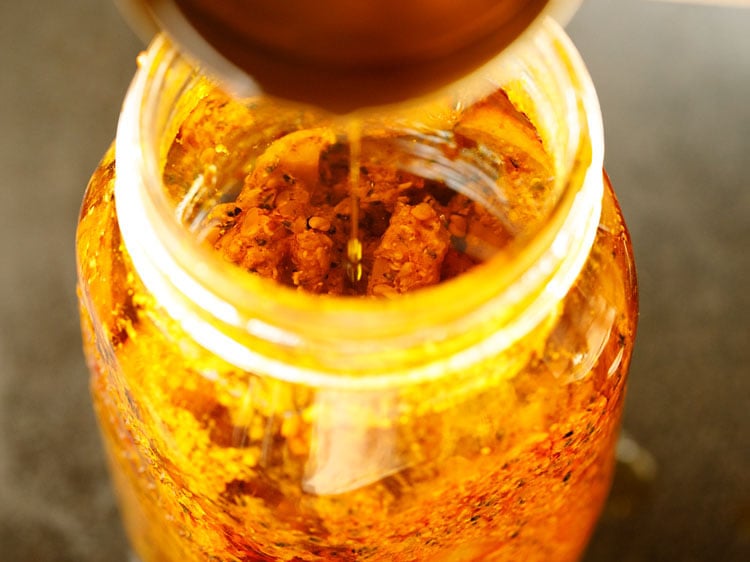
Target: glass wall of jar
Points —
{"points": [[453, 392]]}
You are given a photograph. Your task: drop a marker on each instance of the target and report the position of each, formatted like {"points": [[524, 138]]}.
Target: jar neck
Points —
{"points": [[263, 327]]}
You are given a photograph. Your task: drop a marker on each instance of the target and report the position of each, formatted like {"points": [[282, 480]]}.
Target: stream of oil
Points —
{"points": [[354, 245]]}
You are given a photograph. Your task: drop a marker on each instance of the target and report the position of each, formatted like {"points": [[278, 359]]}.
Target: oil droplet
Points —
{"points": [[354, 259]]}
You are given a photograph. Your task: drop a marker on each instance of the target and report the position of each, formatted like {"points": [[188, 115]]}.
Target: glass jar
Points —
{"points": [[246, 418]]}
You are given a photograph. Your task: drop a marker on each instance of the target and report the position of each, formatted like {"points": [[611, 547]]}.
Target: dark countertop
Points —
{"points": [[674, 83]]}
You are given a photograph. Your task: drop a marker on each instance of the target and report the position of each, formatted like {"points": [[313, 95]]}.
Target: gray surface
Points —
{"points": [[674, 83]]}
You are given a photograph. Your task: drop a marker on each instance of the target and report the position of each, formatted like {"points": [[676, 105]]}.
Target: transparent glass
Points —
{"points": [[249, 418]]}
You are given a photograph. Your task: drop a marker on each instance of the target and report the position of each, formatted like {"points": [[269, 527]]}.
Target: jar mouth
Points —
{"points": [[357, 341]]}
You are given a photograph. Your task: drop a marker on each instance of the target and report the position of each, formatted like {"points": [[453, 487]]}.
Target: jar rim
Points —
{"points": [[225, 309]]}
